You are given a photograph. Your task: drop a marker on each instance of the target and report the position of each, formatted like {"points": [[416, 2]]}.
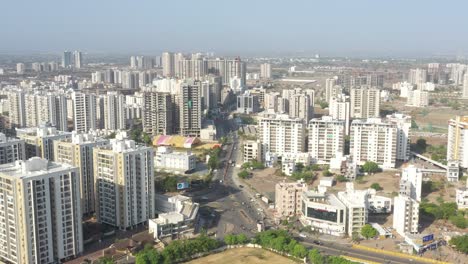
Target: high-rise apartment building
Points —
{"points": [[417, 77], [20, 68], [78, 152], [42, 108], [281, 134], [418, 98], [465, 86], [403, 124], [67, 59], [11, 149], [85, 112], [374, 140], [332, 91], [114, 111], [457, 145], [326, 138], [405, 215], [40, 140], [300, 106], [189, 102], [124, 183], [339, 108], [40, 212], [365, 102], [78, 62], [411, 182], [17, 108], [247, 103], [157, 113], [265, 71]]}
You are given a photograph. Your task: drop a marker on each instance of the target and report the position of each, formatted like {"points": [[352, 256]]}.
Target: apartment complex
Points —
{"points": [[365, 102], [457, 146], [11, 149], [40, 140], [78, 151], [405, 215], [114, 111], [288, 197], [340, 109], [326, 138], [265, 71], [123, 183], [40, 212], [247, 103], [374, 140], [167, 159], [281, 134], [417, 98]]}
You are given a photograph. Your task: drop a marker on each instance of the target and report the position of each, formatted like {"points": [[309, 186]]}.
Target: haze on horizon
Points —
{"points": [[331, 28]]}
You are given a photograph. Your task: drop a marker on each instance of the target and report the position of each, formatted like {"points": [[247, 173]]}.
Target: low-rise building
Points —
{"points": [[167, 159], [453, 170], [252, 150], [323, 213], [176, 216], [356, 212], [288, 198]]}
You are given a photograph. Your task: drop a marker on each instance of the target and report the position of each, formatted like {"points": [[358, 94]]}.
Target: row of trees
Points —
{"points": [[236, 239], [176, 251], [281, 241], [446, 211]]}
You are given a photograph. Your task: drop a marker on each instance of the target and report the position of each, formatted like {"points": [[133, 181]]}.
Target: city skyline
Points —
{"points": [[333, 28]]}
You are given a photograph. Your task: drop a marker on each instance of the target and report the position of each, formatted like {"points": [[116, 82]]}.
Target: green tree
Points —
{"points": [[146, 139], [460, 243], [242, 239], [355, 236], [370, 167], [327, 173], [299, 251], [368, 231], [414, 125], [376, 186], [213, 162], [459, 220], [105, 260], [230, 239], [316, 167], [243, 174], [315, 257], [170, 184], [323, 104]]}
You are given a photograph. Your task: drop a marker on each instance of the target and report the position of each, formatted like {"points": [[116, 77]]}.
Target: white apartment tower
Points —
{"points": [[403, 124], [123, 183], [340, 109], [365, 102], [167, 60], [465, 86], [418, 98], [265, 71], [85, 114], [405, 215], [281, 134], [40, 212], [78, 151], [411, 182], [326, 138], [78, 55], [114, 112], [374, 140], [17, 108], [300, 106], [457, 146]]}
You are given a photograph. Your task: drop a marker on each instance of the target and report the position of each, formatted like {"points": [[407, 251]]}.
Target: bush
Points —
{"points": [[243, 174], [341, 178], [376, 187], [460, 243]]}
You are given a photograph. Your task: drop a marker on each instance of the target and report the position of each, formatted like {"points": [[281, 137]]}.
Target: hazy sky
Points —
{"points": [[328, 27]]}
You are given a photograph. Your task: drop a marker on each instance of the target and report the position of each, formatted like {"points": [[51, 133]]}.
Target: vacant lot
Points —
{"points": [[244, 256], [264, 181]]}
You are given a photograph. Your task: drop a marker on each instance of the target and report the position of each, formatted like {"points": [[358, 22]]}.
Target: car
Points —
{"points": [[316, 242], [302, 235], [241, 186]]}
